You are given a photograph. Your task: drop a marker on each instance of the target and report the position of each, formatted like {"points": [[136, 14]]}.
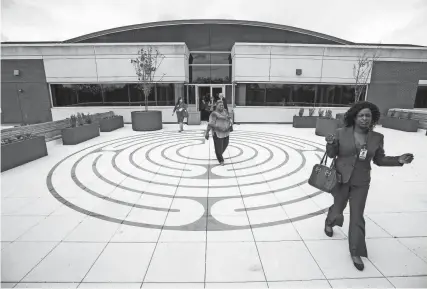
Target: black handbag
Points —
{"points": [[323, 177]]}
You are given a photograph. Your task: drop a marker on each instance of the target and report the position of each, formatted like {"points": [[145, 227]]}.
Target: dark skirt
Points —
{"points": [[180, 116]]}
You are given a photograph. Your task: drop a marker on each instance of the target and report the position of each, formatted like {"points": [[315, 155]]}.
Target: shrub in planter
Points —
{"points": [[19, 150], [111, 123], [82, 129], [301, 121], [403, 124], [326, 125]]}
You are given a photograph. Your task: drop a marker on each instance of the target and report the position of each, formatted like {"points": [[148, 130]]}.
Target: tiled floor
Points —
{"points": [[155, 210]]}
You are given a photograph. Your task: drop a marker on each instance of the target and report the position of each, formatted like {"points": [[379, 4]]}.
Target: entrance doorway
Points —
{"points": [[205, 95]]}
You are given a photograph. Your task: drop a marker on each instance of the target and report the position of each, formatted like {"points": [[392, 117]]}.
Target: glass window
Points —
{"points": [[336, 95], [165, 94], [210, 74], [421, 97], [220, 58], [115, 94], [90, 94], [303, 95], [190, 94], [63, 95], [137, 95], [294, 95], [200, 74], [220, 74], [278, 94], [200, 58], [255, 94]]}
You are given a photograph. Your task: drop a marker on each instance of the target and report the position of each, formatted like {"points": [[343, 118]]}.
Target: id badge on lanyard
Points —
{"points": [[363, 153]]}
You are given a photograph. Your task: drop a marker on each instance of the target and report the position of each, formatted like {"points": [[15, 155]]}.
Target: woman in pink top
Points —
{"points": [[220, 123]]}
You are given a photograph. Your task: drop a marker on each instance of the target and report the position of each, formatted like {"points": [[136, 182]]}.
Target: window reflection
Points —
{"points": [[294, 95], [421, 97], [115, 94], [220, 58], [88, 93], [165, 94], [137, 95], [63, 95], [200, 58], [210, 74]]}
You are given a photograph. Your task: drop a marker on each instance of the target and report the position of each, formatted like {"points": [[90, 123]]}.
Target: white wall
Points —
{"points": [[59, 113], [319, 63], [275, 114], [77, 63]]}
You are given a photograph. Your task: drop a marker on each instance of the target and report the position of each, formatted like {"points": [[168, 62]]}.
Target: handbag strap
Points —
{"points": [[325, 161]]}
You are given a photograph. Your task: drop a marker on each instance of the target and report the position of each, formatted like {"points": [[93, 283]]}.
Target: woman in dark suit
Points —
{"points": [[354, 147]]}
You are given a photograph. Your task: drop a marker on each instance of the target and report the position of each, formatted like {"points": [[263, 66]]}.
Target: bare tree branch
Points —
{"points": [[146, 65], [362, 70]]}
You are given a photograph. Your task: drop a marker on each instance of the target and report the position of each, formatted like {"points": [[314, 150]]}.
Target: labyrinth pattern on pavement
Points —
{"points": [[172, 181]]}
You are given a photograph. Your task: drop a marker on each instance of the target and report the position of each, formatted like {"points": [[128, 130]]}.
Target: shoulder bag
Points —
{"points": [[323, 177]]}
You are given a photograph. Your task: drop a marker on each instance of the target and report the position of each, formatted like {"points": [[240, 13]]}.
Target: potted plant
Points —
{"points": [[340, 118], [326, 125], [301, 121], [111, 122], [396, 121], [21, 149], [146, 65], [82, 129]]}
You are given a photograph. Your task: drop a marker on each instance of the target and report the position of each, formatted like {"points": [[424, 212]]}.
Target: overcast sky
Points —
{"points": [[374, 21]]}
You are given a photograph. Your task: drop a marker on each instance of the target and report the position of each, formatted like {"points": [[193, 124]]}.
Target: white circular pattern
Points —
{"points": [[169, 180]]}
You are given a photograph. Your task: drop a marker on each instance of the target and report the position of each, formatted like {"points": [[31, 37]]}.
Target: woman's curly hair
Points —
{"points": [[351, 114]]}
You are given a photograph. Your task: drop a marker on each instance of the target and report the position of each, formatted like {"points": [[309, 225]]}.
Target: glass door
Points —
{"points": [[203, 98], [216, 90]]}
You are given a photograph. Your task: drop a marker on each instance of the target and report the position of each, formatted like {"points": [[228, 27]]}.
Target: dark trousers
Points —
{"points": [[356, 195], [221, 145]]}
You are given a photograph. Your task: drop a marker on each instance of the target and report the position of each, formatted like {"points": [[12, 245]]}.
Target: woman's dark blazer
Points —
{"points": [[344, 148]]}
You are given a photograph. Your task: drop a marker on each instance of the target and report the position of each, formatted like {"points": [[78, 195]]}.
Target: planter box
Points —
{"points": [[193, 118], [409, 125], [110, 124], [22, 152], [340, 118], [326, 126], [76, 135], [146, 120], [304, 121]]}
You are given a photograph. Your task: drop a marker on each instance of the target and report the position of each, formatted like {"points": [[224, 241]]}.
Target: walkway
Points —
{"points": [[156, 209]]}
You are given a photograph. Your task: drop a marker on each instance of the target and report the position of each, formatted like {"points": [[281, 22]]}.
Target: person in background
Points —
{"points": [[354, 147], [211, 104], [222, 98], [181, 112], [220, 123]]}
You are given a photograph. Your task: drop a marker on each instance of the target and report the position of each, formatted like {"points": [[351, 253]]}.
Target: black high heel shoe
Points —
{"points": [[358, 263], [329, 231]]}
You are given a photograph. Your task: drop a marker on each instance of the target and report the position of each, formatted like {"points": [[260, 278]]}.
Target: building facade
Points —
{"points": [[266, 71]]}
